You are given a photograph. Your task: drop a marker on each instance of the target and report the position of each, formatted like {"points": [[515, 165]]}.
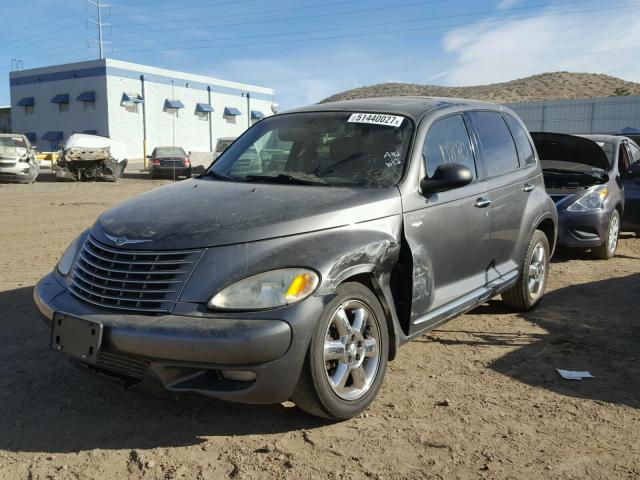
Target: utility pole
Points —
{"points": [[100, 40], [248, 95]]}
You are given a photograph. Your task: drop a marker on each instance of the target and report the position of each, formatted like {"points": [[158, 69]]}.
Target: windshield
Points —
{"points": [[12, 142], [169, 152], [223, 145], [323, 148]]}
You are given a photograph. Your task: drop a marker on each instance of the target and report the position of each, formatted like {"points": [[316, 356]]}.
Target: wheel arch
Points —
{"points": [[367, 277], [550, 229]]}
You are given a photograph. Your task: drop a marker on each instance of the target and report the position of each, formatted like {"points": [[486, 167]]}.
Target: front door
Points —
{"points": [[448, 233]]}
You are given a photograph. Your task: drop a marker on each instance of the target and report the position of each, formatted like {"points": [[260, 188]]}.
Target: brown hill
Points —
{"points": [[545, 86]]}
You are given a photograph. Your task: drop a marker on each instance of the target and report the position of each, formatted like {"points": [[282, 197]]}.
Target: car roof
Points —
{"points": [[412, 107]]}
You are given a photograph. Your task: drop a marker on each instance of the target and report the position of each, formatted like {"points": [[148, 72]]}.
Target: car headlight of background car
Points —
{"points": [[69, 255], [272, 289], [593, 199]]}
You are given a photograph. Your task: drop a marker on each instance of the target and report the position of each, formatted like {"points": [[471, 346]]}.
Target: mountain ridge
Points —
{"points": [[543, 86]]}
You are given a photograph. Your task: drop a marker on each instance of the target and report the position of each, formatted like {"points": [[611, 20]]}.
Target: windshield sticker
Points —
{"points": [[376, 119]]}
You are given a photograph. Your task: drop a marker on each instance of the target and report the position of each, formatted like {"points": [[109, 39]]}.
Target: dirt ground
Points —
{"points": [[478, 398]]}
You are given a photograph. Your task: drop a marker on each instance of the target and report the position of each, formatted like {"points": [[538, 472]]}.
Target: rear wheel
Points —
{"points": [[529, 289], [608, 249], [347, 357]]}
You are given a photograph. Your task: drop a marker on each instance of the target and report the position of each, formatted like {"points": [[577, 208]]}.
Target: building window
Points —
{"points": [[204, 116], [89, 106], [63, 107], [29, 110]]}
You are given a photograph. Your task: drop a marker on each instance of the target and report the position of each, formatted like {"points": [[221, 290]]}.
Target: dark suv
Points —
{"points": [[320, 242]]}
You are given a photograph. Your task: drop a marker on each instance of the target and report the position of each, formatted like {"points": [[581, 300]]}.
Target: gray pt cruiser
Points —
{"points": [[321, 241]]}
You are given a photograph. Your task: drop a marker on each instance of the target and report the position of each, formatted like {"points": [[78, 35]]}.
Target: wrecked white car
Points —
{"points": [[91, 158], [17, 159]]}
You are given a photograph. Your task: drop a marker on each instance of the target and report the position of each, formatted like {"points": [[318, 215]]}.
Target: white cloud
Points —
{"points": [[599, 42]]}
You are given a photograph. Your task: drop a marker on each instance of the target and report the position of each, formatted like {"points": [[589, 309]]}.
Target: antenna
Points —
{"points": [[101, 43], [16, 64]]}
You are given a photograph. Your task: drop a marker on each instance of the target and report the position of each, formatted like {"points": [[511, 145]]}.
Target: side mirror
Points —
{"points": [[446, 177], [148, 156], [189, 153]]}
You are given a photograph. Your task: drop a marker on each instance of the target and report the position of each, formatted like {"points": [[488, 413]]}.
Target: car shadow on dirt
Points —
{"points": [[592, 326], [48, 405]]}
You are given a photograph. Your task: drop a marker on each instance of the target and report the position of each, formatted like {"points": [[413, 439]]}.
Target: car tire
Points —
{"points": [[608, 249], [153, 175], [188, 174], [529, 289], [360, 362]]}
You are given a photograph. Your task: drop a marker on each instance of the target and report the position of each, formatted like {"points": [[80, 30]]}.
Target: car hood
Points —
{"points": [[205, 213], [12, 151], [570, 148]]}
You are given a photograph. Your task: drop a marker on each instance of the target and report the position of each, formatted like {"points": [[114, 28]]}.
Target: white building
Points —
{"points": [[130, 103]]}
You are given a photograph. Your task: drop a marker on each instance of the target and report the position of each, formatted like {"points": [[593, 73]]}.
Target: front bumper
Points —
{"points": [[583, 229], [189, 353], [21, 172]]}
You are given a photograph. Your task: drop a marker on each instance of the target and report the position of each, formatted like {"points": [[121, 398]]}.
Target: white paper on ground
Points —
{"points": [[574, 374]]}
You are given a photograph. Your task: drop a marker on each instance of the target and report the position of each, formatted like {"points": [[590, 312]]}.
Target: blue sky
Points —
{"points": [[310, 49]]}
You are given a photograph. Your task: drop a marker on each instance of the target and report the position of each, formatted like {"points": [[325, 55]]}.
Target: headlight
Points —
{"points": [[267, 290], [594, 199], [69, 255]]}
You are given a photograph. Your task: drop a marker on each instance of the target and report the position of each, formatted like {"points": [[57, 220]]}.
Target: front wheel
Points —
{"points": [[529, 289], [347, 356], [608, 249]]}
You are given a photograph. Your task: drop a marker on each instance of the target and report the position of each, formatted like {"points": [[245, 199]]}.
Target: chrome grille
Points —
{"points": [[135, 280]]}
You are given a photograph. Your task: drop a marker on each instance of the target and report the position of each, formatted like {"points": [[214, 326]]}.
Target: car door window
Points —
{"points": [[525, 151], [448, 142], [498, 149], [635, 153]]}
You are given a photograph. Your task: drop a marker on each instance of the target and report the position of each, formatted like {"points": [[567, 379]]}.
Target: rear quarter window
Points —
{"points": [[525, 151], [498, 149]]}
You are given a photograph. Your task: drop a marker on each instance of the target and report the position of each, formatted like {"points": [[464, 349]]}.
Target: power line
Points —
{"points": [[266, 12], [423, 19], [354, 35], [181, 7]]}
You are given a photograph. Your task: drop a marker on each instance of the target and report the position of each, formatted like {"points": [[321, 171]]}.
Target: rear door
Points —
{"points": [[447, 233], [631, 181], [508, 185]]}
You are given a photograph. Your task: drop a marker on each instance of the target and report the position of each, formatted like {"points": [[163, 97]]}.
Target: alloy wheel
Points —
{"points": [[612, 234], [537, 271], [352, 350]]}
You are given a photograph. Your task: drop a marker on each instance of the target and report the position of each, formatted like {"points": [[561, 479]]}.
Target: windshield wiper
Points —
{"points": [[219, 176], [284, 178], [560, 171]]}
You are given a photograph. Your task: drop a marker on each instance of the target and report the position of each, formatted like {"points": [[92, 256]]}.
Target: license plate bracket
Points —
{"points": [[76, 337]]}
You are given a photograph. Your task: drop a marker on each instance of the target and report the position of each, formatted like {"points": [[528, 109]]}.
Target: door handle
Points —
{"points": [[482, 203], [528, 187]]}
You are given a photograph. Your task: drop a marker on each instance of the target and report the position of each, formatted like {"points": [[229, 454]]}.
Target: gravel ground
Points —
{"points": [[478, 398]]}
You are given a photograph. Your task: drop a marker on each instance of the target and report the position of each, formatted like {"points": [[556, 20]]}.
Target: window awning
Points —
{"points": [[256, 115], [231, 112], [26, 102], [204, 108], [61, 98], [131, 98], [173, 104], [86, 97], [90, 132], [52, 136], [31, 136]]}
